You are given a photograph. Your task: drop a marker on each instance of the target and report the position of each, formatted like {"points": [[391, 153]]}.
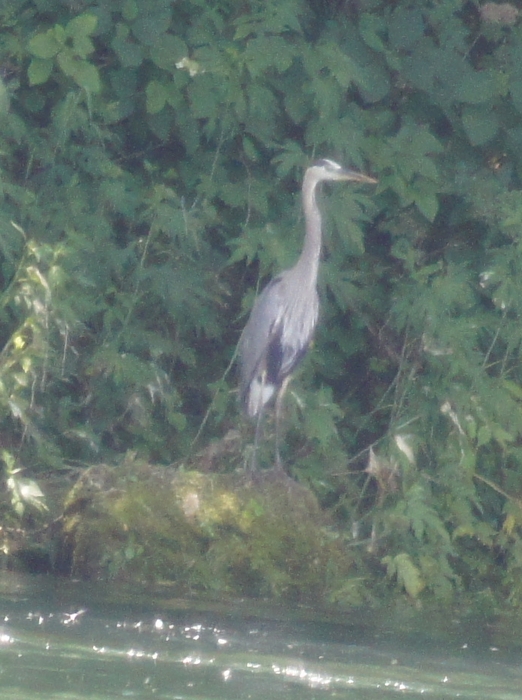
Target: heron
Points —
{"points": [[282, 322]]}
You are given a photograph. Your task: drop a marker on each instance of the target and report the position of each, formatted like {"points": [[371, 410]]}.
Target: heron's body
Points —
{"points": [[284, 316], [265, 365]]}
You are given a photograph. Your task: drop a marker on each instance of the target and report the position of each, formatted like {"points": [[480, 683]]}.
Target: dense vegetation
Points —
{"points": [[151, 156]]}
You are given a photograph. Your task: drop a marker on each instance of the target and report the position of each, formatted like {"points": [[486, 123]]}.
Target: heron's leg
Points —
{"points": [[253, 463], [259, 422], [278, 411]]}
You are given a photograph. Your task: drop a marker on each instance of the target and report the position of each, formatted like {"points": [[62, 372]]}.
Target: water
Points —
{"points": [[64, 641]]}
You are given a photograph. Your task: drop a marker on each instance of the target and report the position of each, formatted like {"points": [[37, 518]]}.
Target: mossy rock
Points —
{"points": [[216, 533]]}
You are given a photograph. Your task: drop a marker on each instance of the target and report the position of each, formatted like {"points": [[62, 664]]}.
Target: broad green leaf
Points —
{"points": [[175, 96], [83, 25], [483, 435], [46, 45], [244, 27], [128, 51], [262, 111], [156, 97], [87, 77], [370, 26], [120, 196], [407, 574], [59, 34], [284, 17], [423, 140], [129, 10], [405, 27], [161, 124], [375, 83], [297, 105], [268, 51], [478, 87], [513, 388], [501, 435], [150, 24], [83, 73], [342, 66], [480, 124], [250, 149], [82, 46], [205, 101], [177, 420], [167, 51], [427, 167], [427, 203], [291, 156], [39, 71]]}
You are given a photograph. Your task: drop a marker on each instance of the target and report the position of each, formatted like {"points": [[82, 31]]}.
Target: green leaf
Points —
{"points": [[156, 95], [83, 73], [177, 420], [514, 389], [128, 51], [129, 10], [408, 575], [45, 46], [167, 51], [342, 66], [297, 105], [205, 101], [289, 157], [483, 436], [406, 27], [501, 435], [268, 51], [59, 34], [370, 26], [478, 87], [251, 152], [87, 77], [82, 46], [427, 203], [153, 22], [81, 26], [480, 124], [39, 71], [413, 147], [376, 82], [262, 109]]}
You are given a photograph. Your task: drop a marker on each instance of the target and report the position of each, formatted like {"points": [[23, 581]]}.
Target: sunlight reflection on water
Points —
{"points": [[69, 647]]}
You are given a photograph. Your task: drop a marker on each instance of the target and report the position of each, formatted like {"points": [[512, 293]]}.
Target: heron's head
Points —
{"points": [[324, 170]]}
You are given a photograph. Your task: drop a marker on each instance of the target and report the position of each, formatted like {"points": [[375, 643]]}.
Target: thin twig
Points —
{"points": [[498, 489]]}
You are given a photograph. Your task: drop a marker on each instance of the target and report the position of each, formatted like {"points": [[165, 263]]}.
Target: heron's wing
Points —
{"points": [[262, 326], [274, 341]]}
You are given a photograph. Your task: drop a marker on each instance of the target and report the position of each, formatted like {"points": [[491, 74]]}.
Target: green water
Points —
{"points": [[65, 641]]}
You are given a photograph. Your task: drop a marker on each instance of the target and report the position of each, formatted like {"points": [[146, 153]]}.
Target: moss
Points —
{"points": [[220, 534]]}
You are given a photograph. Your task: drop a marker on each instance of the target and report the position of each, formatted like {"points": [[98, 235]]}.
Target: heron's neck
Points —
{"points": [[308, 263]]}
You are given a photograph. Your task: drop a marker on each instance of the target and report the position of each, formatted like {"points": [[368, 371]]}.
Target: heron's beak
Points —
{"points": [[354, 176]]}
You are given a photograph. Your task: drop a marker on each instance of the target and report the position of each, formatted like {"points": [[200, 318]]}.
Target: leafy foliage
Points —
{"points": [[151, 154]]}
